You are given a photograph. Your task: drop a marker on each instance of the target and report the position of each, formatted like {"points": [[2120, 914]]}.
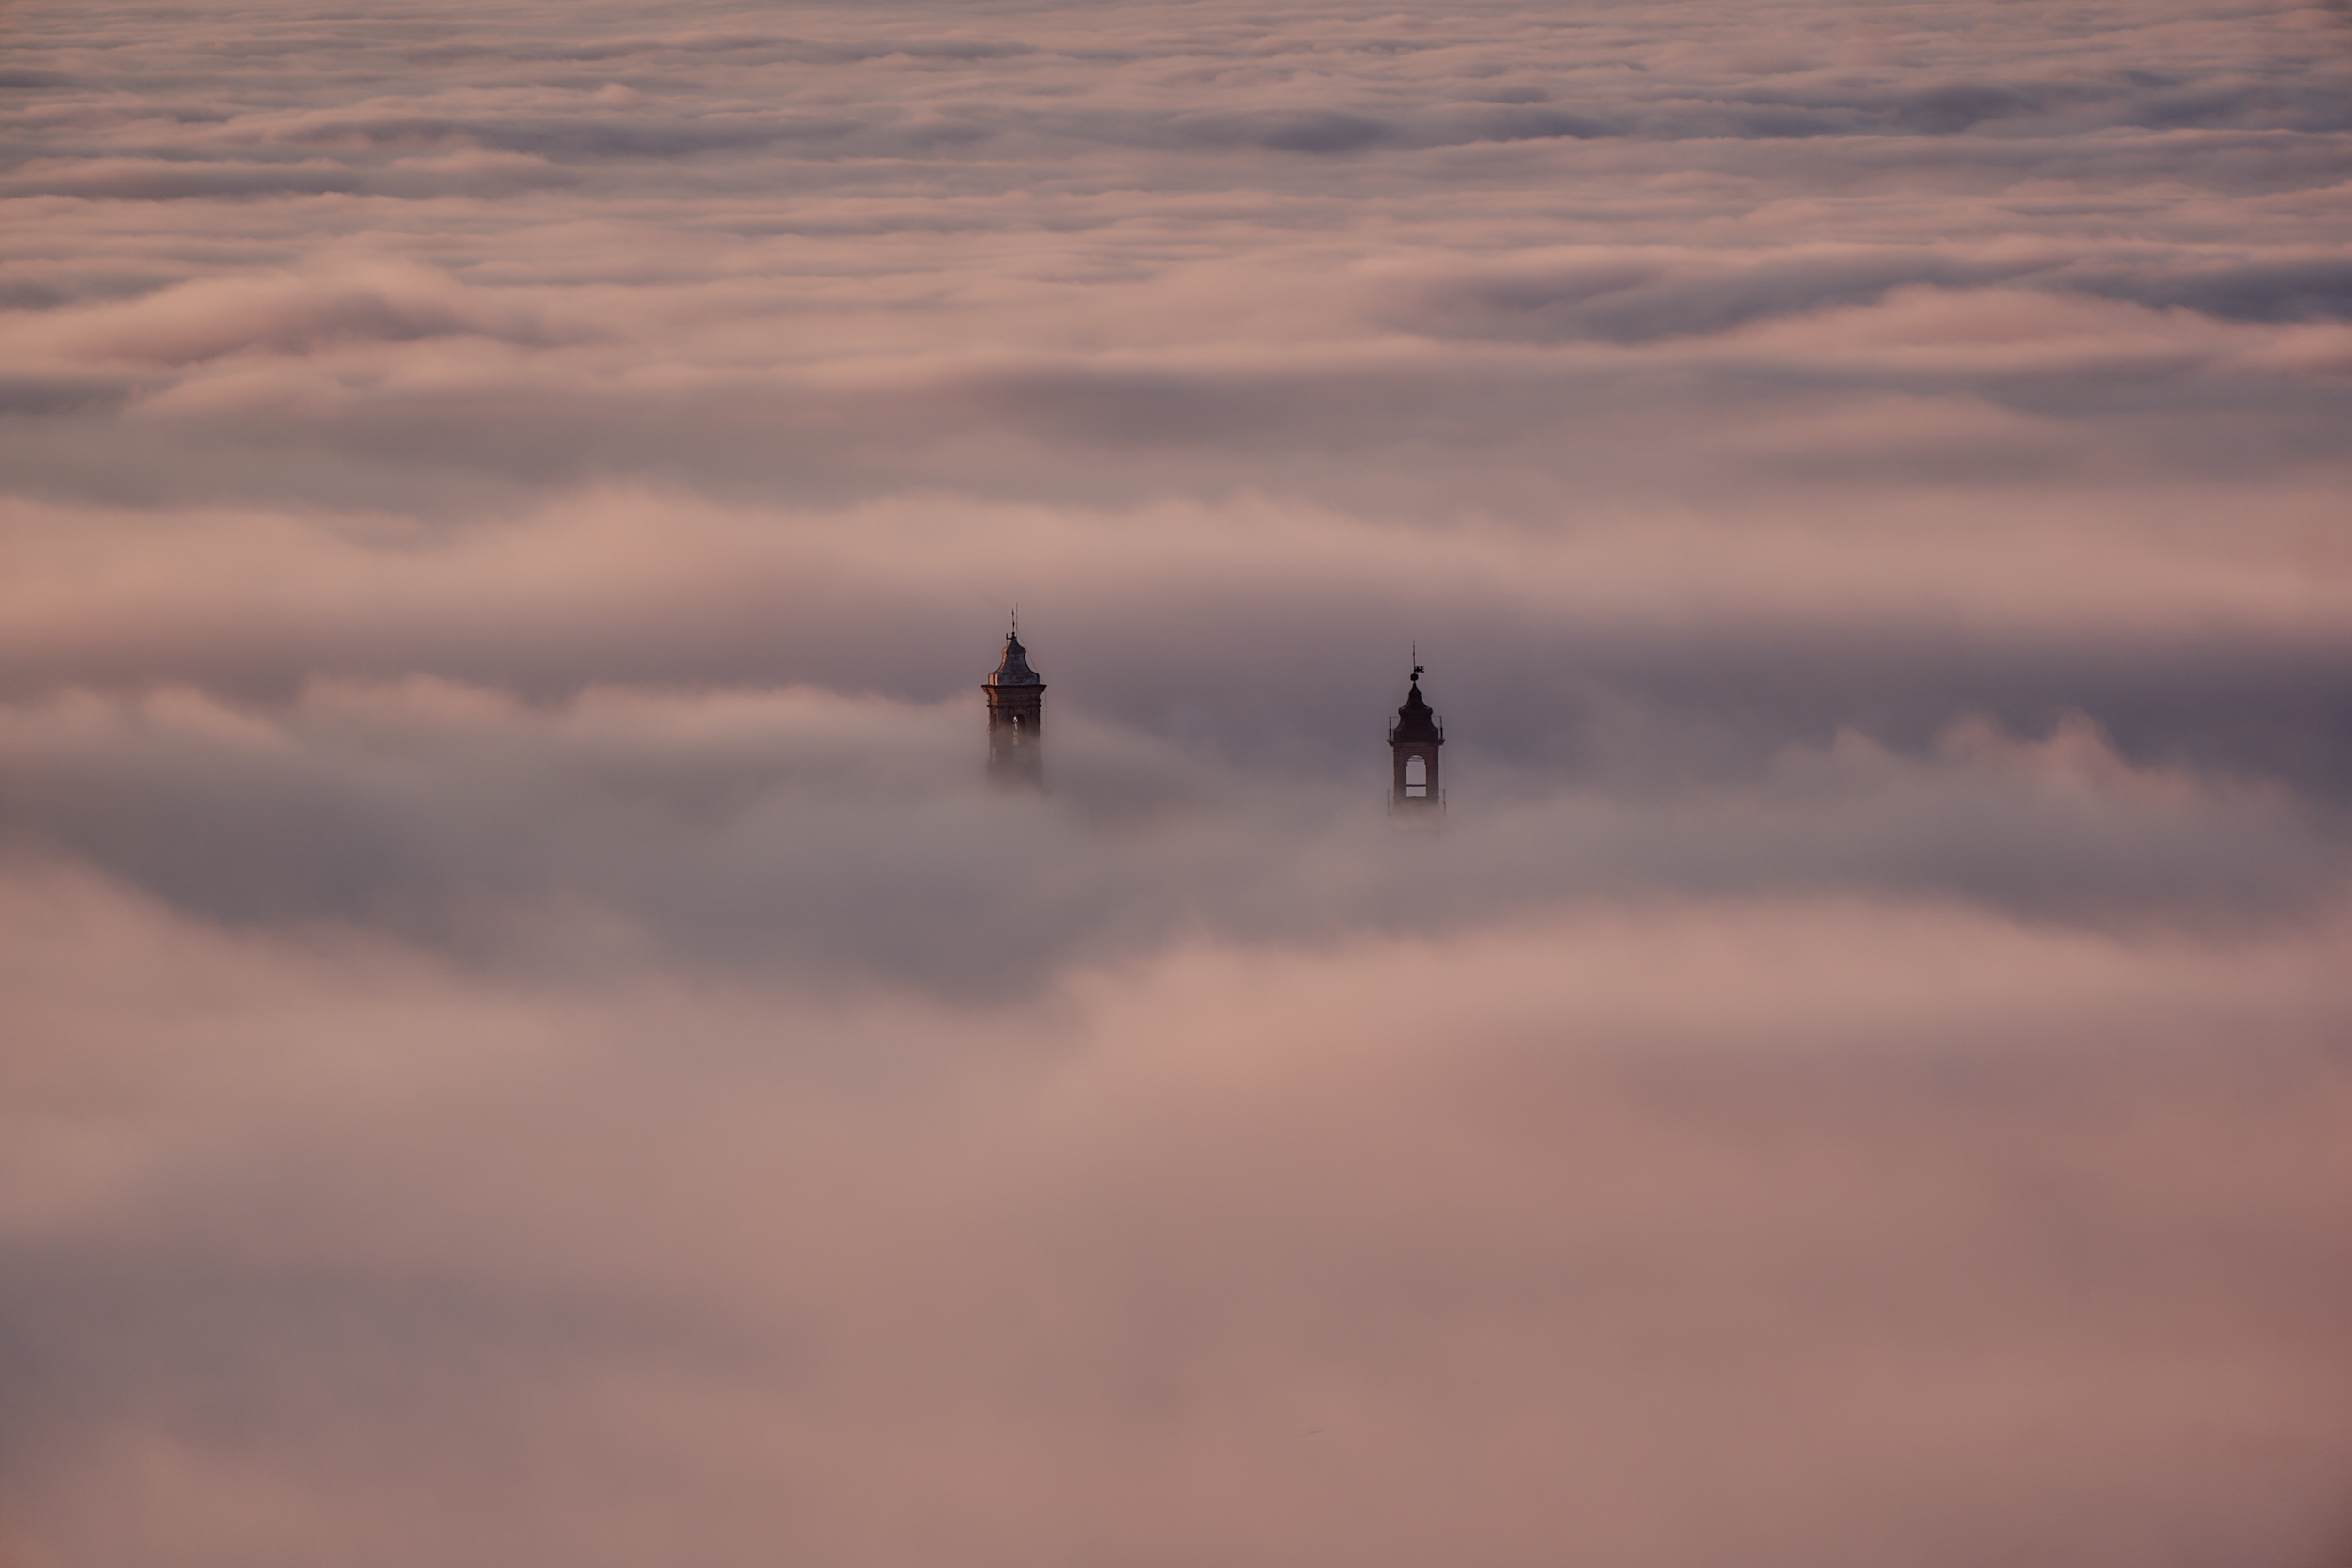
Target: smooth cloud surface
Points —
{"points": [[529, 1042]]}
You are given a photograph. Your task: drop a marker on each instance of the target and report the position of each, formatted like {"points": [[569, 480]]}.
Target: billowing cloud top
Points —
{"points": [[530, 1040]]}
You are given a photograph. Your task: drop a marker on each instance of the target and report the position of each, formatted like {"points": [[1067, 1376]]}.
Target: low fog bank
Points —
{"points": [[805, 832], [1812, 1232], [2199, 625]]}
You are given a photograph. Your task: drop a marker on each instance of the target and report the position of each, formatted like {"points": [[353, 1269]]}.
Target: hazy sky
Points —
{"points": [[529, 1044]]}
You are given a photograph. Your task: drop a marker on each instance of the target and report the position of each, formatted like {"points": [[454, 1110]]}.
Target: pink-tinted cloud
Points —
{"points": [[1824, 1231], [528, 1040]]}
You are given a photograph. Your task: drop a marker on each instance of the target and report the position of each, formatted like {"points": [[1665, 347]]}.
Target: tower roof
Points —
{"points": [[1414, 721], [1014, 670]]}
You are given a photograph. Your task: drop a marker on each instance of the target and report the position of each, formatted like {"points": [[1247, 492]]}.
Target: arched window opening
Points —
{"points": [[1417, 776]]}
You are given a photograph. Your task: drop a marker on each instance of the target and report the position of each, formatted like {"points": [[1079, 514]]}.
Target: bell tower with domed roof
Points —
{"points": [[1016, 717], [1413, 743]]}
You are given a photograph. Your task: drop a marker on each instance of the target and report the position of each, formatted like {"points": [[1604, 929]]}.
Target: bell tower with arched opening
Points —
{"points": [[1413, 743], [1016, 718]]}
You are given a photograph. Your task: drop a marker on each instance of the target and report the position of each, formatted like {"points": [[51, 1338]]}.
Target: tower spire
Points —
{"points": [[1413, 741]]}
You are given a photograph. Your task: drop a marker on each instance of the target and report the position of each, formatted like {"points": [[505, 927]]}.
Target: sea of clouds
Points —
{"points": [[527, 1039]]}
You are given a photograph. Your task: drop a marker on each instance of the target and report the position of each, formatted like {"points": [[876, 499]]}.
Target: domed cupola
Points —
{"points": [[1016, 718], [1014, 670]]}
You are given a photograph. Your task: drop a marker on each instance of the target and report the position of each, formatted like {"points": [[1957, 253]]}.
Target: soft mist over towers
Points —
{"points": [[1015, 695]]}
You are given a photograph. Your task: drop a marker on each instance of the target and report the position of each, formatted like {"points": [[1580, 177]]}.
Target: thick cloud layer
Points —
{"points": [[1808, 1231], [528, 1042]]}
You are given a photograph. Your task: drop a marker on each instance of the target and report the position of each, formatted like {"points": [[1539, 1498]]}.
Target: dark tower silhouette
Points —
{"points": [[1413, 742], [1016, 718]]}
